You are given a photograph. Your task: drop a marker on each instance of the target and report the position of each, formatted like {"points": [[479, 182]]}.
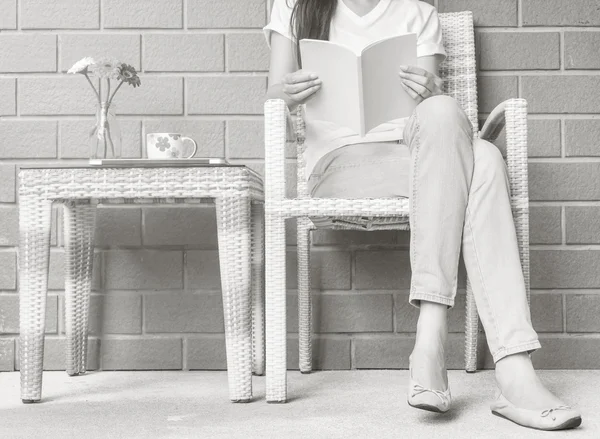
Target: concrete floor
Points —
{"points": [[350, 404]]}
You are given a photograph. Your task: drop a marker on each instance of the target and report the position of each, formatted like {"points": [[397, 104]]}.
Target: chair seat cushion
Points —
{"points": [[361, 222]]}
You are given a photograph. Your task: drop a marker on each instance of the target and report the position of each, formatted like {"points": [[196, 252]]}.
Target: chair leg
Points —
{"points": [[275, 281], [258, 292], [234, 235], [79, 226], [304, 297], [521, 218], [34, 253], [471, 331]]}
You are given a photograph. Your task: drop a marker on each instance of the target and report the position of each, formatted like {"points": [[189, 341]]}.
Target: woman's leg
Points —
{"points": [[489, 245], [362, 170], [494, 268], [439, 136], [491, 255]]}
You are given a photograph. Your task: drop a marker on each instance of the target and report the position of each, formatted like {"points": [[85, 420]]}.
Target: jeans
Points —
{"points": [[459, 197]]}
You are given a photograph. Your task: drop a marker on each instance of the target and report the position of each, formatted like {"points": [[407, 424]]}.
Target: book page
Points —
{"points": [[338, 100], [384, 99]]}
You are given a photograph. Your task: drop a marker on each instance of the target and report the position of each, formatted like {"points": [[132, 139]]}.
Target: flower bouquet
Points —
{"points": [[105, 136]]}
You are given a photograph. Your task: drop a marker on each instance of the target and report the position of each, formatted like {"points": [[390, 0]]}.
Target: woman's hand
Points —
{"points": [[300, 85], [419, 83]]}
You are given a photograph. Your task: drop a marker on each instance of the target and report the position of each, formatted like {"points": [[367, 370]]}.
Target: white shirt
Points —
{"points": [[388, 18]]}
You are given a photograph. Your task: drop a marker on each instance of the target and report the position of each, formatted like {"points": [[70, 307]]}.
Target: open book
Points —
{"points": [[359, 90]]}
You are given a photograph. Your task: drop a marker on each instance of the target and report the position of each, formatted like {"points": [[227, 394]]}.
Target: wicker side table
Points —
{"points": [[238, 195]]}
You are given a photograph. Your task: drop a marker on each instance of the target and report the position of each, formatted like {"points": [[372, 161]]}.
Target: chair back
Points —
{"points": [[458, 71]]}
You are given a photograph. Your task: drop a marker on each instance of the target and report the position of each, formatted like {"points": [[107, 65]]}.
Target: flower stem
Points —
{"points": [[93, 88], [108, 91], [110, 141], [115, 92]]}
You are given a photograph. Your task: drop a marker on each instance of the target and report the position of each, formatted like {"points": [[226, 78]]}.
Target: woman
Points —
{"points": [[458, 189]]}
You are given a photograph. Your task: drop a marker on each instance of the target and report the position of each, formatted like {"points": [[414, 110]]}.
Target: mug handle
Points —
{"points": [[183, 139]]}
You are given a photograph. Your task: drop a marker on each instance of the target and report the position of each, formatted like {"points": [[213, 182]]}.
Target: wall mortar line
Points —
{"points": [[100, 18], [564, 313], [563, 143], [562, 49]]}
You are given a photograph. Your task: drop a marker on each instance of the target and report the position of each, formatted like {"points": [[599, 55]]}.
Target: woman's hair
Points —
{"points": [[311, 19]]}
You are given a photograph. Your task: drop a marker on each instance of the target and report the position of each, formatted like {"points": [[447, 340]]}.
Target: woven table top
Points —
{"points": [[57, 182]]}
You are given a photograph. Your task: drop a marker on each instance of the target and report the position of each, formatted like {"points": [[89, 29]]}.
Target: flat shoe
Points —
{"points": [[557, 418], [427, 399]]}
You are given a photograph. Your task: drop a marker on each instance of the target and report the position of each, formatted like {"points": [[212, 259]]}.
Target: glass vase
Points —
{"points": [[105, 136]]}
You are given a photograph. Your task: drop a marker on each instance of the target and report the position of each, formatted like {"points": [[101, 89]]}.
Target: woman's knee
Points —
{"points": [[439, 117], [442, 110], [489, 162]]}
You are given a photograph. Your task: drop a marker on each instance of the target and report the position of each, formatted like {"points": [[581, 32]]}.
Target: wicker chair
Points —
{"points": [[459, 74]]}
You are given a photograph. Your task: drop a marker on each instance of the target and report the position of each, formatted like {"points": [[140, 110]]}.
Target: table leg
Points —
{"points": [[34, 252], [234, 230], [79, 225], [258, 292], [275, 295]]}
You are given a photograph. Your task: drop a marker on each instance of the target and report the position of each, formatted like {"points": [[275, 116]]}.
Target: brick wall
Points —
{"points": [[156, 299]]}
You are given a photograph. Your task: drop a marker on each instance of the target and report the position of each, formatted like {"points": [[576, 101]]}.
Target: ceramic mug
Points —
{"points": [[168, 146]]}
